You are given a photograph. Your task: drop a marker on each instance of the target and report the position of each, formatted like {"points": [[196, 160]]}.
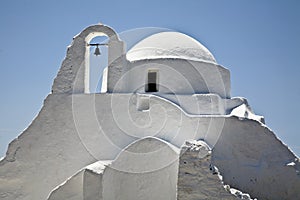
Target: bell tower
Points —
{"points": [[116, 50], [73, 76]]}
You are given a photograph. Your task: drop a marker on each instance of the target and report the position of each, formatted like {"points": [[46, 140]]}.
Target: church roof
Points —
{"points": [[170, 45]]}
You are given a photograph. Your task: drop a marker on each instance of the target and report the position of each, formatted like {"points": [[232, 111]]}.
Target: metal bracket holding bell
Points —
{"points": [[97, 50]]}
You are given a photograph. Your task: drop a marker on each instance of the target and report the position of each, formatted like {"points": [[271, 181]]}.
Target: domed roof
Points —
{"points": [[169, 45]]}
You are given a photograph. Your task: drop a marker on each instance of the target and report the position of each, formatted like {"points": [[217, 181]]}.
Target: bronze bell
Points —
{"points": [[97, 51]]}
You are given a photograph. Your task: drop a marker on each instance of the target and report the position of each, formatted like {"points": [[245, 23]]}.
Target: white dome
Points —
{"points": [[169, 45]]}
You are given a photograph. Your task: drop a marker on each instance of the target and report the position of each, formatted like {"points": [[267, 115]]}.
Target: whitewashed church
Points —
{"points": [[163, 127]]}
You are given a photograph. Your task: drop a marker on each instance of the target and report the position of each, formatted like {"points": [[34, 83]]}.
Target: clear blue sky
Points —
{"points": [[258, 41]]}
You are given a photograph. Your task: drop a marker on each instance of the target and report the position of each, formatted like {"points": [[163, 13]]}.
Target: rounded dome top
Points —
{"points": [[169, 45]]}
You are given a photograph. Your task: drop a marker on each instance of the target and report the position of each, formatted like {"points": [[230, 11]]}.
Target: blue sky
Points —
{"points": [[258, 41]]}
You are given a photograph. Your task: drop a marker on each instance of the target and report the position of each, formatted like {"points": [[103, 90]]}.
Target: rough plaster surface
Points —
{"points": [[252, 159], [196, 178]]}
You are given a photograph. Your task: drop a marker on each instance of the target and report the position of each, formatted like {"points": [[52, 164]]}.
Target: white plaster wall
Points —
{"points": [[43, 156], [163, 119], [86, 184], [93, 180], [73, 131], [176, 76], [198, 104], [70, 189], [145, 170], [251, 158], [196, 177], [92, 186]]}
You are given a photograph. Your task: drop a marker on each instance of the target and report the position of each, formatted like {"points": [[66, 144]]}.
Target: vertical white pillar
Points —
{"points": [[87, 69]]}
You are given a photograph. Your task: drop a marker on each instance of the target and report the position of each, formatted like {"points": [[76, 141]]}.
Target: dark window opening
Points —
{"points": [[151, 85]]}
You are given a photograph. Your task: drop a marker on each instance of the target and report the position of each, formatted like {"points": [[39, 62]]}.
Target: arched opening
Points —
{"points": [[94, 63], [115, 49], [74, 75], [98, 61]]}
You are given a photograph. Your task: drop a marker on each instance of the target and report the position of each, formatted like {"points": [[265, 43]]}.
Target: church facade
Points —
{"points": [[164, 126]]}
